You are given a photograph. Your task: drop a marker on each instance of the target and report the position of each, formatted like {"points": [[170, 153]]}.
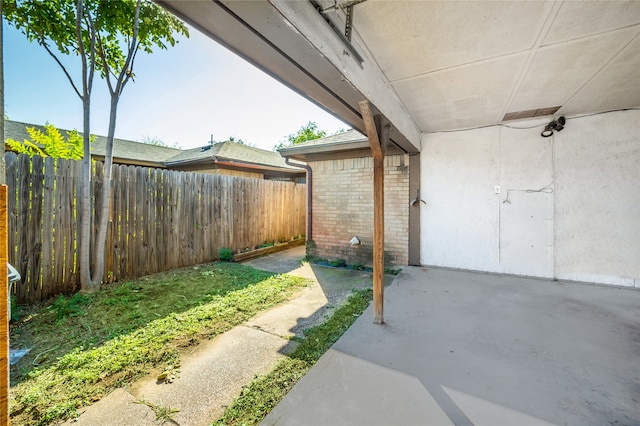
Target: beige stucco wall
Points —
{"points": [[343, 208]]}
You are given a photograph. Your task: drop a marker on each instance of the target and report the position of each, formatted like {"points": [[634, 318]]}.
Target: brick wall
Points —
{"points": [[343, 207]]}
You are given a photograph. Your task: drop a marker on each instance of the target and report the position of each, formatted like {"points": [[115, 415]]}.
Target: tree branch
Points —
{"points": [[64, 69], [129, 76], [83, 54], [103, 57], [92, 67], [126, 71]]}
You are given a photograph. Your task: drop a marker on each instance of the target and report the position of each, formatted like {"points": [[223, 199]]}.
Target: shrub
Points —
{"points": [[226, 254], [339, 263]]}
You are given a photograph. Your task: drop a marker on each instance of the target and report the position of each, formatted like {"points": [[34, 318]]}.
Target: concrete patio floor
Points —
{"points": [[467, 348]]}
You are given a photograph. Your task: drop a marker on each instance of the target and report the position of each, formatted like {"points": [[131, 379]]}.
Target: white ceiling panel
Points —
{"points": [[461, 97], [443, 65], [616, 87], [460, 64], [577, 19], [559, 71], [409, 38]]}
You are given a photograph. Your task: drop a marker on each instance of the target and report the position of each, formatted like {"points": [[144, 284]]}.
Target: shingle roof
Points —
{"points": [[231, 151], [138, 151], [132, 150], [345, 141], [17, 130], [339, 138], [122, 148]]}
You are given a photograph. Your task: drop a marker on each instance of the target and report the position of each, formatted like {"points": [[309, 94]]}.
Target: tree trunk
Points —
{"points": [[84, 258], [105, 196]]}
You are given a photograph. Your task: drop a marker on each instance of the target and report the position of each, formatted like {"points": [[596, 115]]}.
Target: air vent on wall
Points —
{"points": [[530, 113]]}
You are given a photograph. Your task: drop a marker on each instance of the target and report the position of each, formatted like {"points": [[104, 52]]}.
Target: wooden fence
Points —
{"points": [[160, 220]]}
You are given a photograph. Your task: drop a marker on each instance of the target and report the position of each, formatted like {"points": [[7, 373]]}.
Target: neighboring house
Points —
{"points": [[467, 88], [225, 158], [341, 204], [232, 158]]}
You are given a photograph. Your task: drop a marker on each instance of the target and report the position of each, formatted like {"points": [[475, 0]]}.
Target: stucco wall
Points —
{"points": [[568, 207], [343, 208]]}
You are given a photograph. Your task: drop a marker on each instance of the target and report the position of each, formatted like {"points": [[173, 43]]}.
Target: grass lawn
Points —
{"points": [[265, 392], [84, 346]]}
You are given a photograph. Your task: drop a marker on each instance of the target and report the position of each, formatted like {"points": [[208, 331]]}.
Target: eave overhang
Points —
{"points": [[130, 162], [291, 42], [233, 163], [348, 149]]}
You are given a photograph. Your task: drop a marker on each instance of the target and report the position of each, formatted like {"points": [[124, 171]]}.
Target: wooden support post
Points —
{"points": [[4, 320], [378, 139]]}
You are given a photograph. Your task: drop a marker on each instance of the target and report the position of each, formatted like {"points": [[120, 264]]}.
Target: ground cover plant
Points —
{"points": [[84, 346], [265, 392], [341, 263]]}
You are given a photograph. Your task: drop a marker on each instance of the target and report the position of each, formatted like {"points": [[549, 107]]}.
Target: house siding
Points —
{"points": [[219, 171], [343, 208]]}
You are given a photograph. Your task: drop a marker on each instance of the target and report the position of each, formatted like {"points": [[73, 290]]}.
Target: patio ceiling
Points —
{"points": [[433, 66]]}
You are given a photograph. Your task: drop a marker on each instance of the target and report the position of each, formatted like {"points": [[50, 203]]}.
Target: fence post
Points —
{"points": [[4, 319]]}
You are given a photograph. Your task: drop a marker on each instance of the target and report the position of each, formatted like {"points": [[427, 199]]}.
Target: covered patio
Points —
{"points": [[476, 96], [468, 348]]}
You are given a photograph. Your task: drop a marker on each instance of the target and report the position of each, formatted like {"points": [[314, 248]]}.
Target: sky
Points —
{"points": [[180, 96]]}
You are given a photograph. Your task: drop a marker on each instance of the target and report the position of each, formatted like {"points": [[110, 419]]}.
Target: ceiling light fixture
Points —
{"points": [[554, 125]]}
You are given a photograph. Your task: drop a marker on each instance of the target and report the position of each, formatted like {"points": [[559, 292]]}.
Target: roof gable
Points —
{"points": [[230, 151]]}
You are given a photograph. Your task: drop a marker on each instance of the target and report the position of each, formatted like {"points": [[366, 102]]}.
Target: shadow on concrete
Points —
{"points": [[330, 289], [466, 348]]}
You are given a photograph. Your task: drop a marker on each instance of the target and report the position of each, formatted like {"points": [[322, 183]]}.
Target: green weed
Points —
{"points": [[113, 337], [226, 254], [72, 306], [339, 263], [265, 392], [266, 244], [163, 414]]}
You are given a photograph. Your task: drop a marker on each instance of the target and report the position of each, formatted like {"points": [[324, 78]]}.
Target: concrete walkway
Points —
{"points": [[478, 349], [212, 376]]}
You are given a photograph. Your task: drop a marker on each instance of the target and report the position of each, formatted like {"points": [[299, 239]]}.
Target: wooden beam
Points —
{"points": [[371, 128], [4, 320], [375, 131]]}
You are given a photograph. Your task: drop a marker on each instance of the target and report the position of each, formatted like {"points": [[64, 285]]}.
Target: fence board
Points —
{"points": [[132, 237], [48, 224], [68, 209], [141, 247], [35, 236], [123, 229], [24, 195], [163, 204], [112, 248], [151, 216]]}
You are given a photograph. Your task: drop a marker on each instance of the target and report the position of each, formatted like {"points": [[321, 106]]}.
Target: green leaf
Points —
{"points": [[50, 144]]}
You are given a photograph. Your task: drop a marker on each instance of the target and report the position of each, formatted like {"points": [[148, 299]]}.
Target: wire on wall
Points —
{"points": [[537, 125], [546, 190]]}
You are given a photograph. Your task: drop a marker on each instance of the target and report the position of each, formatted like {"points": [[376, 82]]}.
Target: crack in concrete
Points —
{"points": [[258, 328]]}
